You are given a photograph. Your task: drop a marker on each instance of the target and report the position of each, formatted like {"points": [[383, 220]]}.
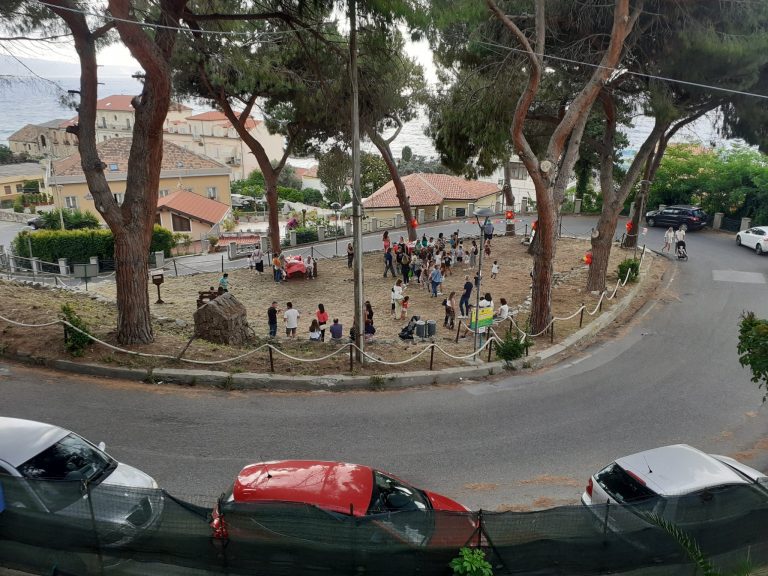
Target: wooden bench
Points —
{"points": [[205, 296]]}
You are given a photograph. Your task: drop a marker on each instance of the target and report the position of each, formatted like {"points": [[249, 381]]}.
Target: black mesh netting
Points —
{"points": [[62, 528]]}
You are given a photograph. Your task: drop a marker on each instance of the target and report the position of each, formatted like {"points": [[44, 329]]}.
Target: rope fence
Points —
{"points": [[493, 338]]}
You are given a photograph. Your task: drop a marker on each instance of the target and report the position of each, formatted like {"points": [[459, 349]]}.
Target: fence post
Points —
{"points": [[601, 300], [351, 358], [222, 263], [431, 356], [490, 348], [552, 333], [458, 329], [581, 318], [271, 359], [175, 270]]}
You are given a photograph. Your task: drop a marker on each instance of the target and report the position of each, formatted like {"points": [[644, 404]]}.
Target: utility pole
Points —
{"points": [[357, 209]]}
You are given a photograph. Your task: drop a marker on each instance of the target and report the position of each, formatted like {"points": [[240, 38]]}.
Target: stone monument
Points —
{"points": [[222, 320]]}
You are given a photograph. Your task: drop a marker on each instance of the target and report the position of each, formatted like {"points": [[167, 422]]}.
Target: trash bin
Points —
{"points": [[421, 329], [431, 328]]}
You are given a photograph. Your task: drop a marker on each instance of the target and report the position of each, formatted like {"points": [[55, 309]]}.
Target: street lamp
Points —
{"points": [[335, 206], [61, 206], [485, 214]]}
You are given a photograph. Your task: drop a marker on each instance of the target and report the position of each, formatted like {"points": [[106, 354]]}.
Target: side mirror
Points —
{"points": [[102, 446]]}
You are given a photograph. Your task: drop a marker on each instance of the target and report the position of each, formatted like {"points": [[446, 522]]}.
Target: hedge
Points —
{"points": [[80, 245]]}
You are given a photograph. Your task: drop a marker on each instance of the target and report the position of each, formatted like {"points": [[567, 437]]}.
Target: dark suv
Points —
{"points": [[693, 217]]}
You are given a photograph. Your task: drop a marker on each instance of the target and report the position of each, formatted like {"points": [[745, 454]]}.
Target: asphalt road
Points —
{"points": [[671, 376]]}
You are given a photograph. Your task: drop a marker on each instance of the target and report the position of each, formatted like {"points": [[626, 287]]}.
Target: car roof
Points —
{"points": [[335, 486], [679, 469], [20, 439]]}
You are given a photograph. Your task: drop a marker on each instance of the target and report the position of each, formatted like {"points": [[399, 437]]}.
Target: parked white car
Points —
{"points": [[755, 238], [679, 483], [44, 470]]}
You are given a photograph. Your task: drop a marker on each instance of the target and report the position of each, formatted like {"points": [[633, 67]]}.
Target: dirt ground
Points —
{"points": [[333, 287]]}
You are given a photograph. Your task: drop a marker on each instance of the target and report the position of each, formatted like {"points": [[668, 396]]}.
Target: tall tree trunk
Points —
{"points": [[402, 197], [270, 193], [134, 322], [601, 249]]}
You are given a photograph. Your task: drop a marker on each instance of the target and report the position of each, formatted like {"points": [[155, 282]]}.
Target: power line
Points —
{"points": [[35, 74], [639, 74]]}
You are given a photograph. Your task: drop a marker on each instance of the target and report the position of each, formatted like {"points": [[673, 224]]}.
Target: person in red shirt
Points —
{"points": [[322, 320]]}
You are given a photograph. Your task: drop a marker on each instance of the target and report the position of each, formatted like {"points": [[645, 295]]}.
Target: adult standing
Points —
{"points": [[258, 259], [464, 300], [386, 241], [473, 252], [436, 278], [388, 262], [272, 319], [397, 298], [488, 230], [291, 317], [669, 237], [322, 320], [680, 237], [350, 255], [277, 268], [405, 266]]}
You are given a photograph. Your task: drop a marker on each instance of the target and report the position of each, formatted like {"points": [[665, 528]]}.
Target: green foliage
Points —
{"points": [[334, 170], [18, 205], [471, 562], [373, 173], [183, 240], [511, 348], [252, 186], [313, 197], [686, 542], [733, 181], [421, 164], [304, 235], [629, 265], [406, 154], [290, 194], [288, 178], [73, 219], [162, 240], [8, 157], [753, 348], [80, 245], [75, 342]]}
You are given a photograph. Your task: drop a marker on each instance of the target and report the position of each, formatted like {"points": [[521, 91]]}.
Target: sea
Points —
{"points": [[32, 100]]}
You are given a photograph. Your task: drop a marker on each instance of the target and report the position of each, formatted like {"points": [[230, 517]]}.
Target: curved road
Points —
{"points": [[671, 376]]}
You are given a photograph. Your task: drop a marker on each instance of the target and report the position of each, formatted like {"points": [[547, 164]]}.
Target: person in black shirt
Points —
{"points": [[272, 319], [464, 300]]}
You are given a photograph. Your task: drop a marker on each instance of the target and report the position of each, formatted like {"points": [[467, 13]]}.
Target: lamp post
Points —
{"points": [[335, 206], [61, 206], [485, 214]]}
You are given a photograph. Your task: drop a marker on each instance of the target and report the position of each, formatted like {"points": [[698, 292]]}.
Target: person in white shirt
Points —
{"points": [[679, 238], [291, 318], [669, 237], [495, 269], [503, 312], [314, 331], [397, 299]]}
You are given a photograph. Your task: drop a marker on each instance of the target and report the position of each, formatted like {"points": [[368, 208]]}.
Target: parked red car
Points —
{"points": [[350, 490]]}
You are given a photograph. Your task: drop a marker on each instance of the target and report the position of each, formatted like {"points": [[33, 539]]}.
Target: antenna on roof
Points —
{"points": [[648, 465]]}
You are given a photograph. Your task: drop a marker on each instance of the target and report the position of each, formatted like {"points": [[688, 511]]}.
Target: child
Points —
{"points": [[404, 306], [488, 248], [494, 269]]}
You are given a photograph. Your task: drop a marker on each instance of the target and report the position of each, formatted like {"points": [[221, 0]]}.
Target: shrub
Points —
{"points": [[18, 205], [162, 240], [75, 341], [73, 219], [511, 348], [753, 348], [303, 236], [629, 265], [471, 562]]}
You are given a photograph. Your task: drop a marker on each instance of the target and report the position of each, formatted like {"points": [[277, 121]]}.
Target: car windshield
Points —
{"points": [[392, 495], [71, 459], [699, 213], [622, 486]]}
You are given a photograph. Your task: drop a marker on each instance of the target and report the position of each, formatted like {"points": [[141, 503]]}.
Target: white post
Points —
{"points": [[63, 267]]}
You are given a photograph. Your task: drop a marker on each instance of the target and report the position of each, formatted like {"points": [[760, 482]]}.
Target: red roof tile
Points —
{"points": [[115, 152], [430, 190], [220, 117], [194, 205], [119, 102]]}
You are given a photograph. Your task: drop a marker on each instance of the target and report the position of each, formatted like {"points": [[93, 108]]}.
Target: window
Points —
{"points": [[103, 122], [128, 123], [115, 117], [212, 192], [163, 193], [180, 224], [517, 171], [19, 189], [7, 189], [461, 212], [119, 198], [42, 141], [70, 202], [113, 167]]}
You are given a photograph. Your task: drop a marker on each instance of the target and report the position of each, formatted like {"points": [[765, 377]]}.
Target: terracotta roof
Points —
{"points": [[58, 123], [115, 152], [220, 117], [119, 102], [310, 172], [28, 133], [430, 190], [194, 206]]}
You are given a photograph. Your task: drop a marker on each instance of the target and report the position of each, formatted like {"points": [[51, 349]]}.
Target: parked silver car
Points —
{"points": [[756, 238], [46, 469]]}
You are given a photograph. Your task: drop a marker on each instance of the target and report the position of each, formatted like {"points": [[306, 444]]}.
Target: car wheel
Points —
{"points": [[758, 250], [651, 222], [738, 240]]}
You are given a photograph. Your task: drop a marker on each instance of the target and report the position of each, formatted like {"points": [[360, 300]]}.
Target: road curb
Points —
{"points": [[336, 382]]}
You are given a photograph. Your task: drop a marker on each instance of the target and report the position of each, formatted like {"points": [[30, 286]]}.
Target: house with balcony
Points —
{"points": [[115, 116], [47, 140], [181, 170]]}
